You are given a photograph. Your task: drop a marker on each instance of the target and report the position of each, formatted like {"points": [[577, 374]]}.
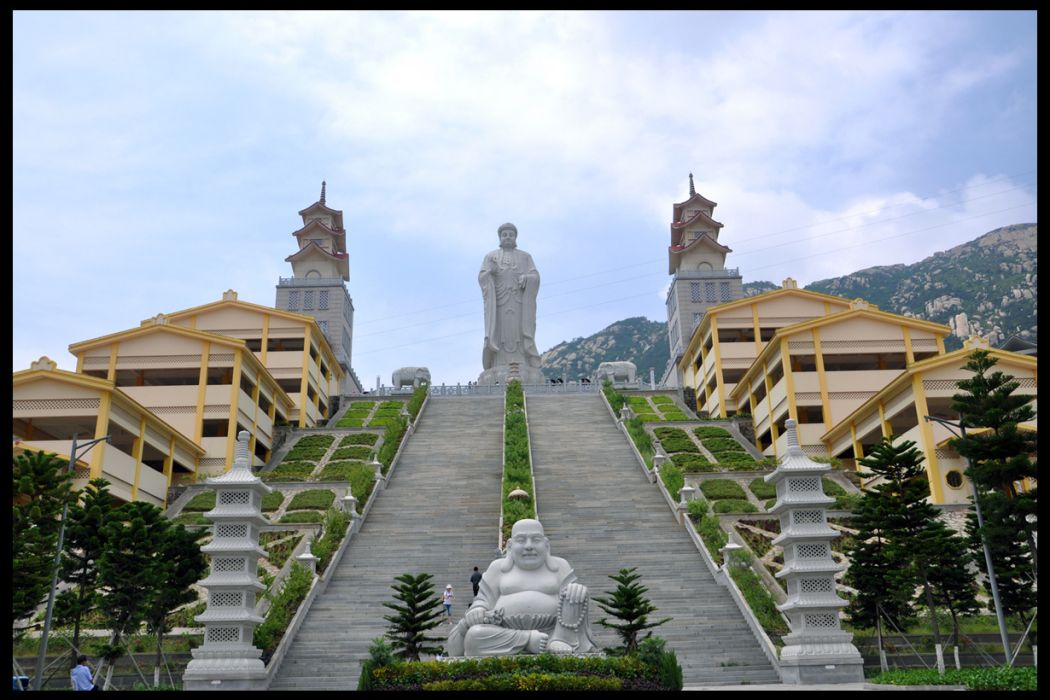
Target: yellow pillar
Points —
{"points": [[111, 371], [235, 389], [265, 338], [929, 448], [822, 379], [136, 452], [202, 389], [909, 354], [789, 380], [886, 429], [101, 429], [758, 329], [719, 386]]}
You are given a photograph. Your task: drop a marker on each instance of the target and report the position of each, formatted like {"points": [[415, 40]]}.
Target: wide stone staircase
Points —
{"points": [[439, 514], [602, 514]]}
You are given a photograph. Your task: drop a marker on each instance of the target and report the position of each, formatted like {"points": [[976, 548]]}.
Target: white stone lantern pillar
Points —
{"points": [[228, 660], [816, 650], [307, 558]]}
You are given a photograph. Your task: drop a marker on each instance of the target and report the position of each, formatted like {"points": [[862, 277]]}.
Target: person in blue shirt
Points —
{"points": [[81, 675]]}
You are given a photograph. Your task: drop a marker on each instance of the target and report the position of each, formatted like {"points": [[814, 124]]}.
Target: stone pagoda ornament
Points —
{"points": [[228, 660], [817, 650]]}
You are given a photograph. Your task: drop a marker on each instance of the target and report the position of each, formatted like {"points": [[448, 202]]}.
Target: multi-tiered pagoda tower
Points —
{"points": [[317, 287]]}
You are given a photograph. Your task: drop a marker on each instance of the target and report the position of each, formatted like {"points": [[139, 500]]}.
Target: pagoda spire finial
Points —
{"points": [[322, 191], [692, 190]]}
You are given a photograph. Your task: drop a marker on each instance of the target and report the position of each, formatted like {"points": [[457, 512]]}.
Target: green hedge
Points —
{"points": [[526, 672], [992, 678], [386, 405], [323, 441], [758, 597], [416, 402], [517, 472], [302, 516], [615, 398], [673, 479], [676, 416], [307, 453], [362, 480], [289, 471], [272, 501], [734, 505], [352, 419], [710, 431], [191, 519], [361, 452], [392, 441], [341, 471], [675, 440], [315, 499], [359, 439], [713, 536], [282, 609], [201, 502], [715, 489], [642, 440], [761, 489], [690, 462], [336, 523]]}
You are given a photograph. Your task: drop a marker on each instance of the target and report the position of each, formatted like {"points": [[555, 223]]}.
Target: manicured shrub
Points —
{"points": [[201, 502], [712, 534], [289, 471], [675, 440], [392, 441], [340, 471], [672, 478], [986, 678], [307, 453], [758, 597], [362, 480], [359, 439], [761, 489], [360, 452], [697, 508], [272, 501], [282, 609], [615, 398], [639, 403], [831, 488], [352, 419], [302, 516], [416, 402], [769, 504], [315, 499], [734, 459], [690, 462], [334, 530], [323, 441], [734, 505], [191, 519], [715, 489], [722, 444], [710, 431]]}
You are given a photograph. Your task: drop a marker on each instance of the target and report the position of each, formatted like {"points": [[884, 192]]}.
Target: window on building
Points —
{"points": [[293, 300], [284, 345], [311, 393], [215, 427], [322, 299], [323, 325], [254, 344], [290, 386], [220, 375], [694, 292], [262, 451], [674, 338], [803, 363], [954, 479], [348, 314], [346, 343], [810, 414], [709, 292], [776, 374], [672, 302], [246, 385], [264, 403], [697, 315], [724, 292], [308, 300]]}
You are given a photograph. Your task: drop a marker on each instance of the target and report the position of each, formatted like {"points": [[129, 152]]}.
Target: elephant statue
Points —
{"points": [[413, 376], [617, 372]]}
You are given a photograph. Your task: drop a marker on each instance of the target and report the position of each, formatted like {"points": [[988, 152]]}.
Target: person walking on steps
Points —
{"points": [[475, 580], [446, 600]]}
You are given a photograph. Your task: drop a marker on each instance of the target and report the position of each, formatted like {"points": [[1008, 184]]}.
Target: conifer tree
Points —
{"points": [[180, 564], [627, 602], [84, 543], [418, 610], [40, 487], [1000, 457]]}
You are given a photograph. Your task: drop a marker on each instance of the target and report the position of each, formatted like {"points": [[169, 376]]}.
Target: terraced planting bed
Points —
{"points": [[656, 409]]}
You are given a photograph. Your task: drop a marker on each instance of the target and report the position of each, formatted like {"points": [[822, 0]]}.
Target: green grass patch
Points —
{"points": [[395, 431], [362, 405], [642, 440], [989, 678], [689, 462], [315, 499], [676, 416], [712, 535], [282, 608], [415, 404], [383, 421], [307, 454], [715, 489], [705, 432], [359, 439], [675, 440], [352, 419], [761, 489], [734, 505], [758, 598], [292, 471], [672, 478], [723, 444], [191, 519], [201, 502], [322, 441], [360, 452], [272, 501], [661, 400], [831, 488], [341, 471], [517, 472], [302, 516]]}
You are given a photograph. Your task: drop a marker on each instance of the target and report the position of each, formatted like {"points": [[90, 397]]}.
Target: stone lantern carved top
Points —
{"points": [[795, 461], [241, 472]]}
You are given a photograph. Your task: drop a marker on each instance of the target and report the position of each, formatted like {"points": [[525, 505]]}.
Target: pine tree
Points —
{"points": [[419, 611], [84, 544], [627, 602], [131, 569], [1000, 456], [180, 564], [40, 487]]}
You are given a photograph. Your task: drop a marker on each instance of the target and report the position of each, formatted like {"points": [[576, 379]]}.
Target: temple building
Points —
{"points": [[701, 279], [317, 287]]}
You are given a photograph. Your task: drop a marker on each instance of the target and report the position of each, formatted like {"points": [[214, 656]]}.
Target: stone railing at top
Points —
{"points": [[568, 387], [310, 282]]}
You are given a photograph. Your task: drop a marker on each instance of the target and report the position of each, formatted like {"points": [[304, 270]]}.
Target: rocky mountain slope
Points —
{"points": [[985, 287], [637, 339]]}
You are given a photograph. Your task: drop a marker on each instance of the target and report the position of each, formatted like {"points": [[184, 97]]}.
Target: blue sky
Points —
{"points": [[160, 157]]}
